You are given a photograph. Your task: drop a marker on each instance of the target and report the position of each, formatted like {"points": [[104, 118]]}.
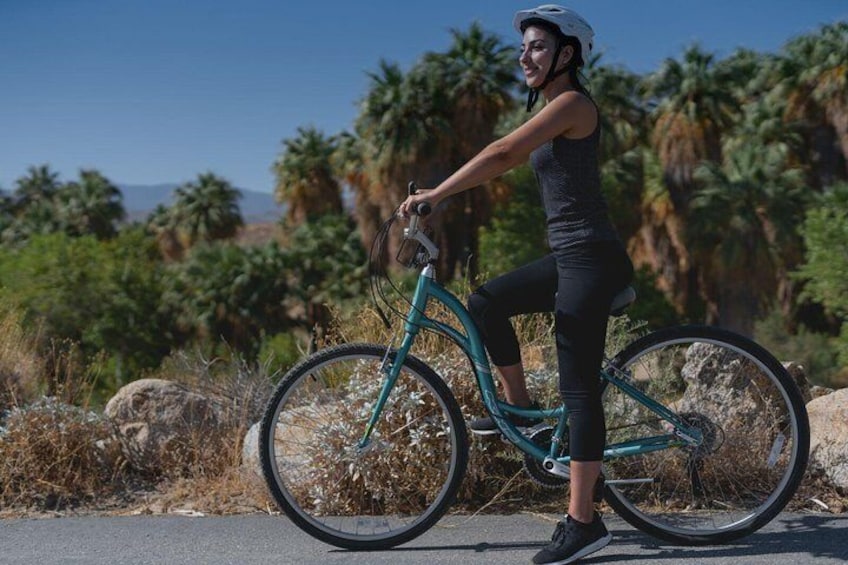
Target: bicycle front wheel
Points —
{"points": [[372, 496], [754, 428]]}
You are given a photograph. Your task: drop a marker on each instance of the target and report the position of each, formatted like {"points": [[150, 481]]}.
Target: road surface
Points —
{"points": [[792, 539]]}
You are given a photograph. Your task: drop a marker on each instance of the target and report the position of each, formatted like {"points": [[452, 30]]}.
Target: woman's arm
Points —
{"points": [[569, 112]]}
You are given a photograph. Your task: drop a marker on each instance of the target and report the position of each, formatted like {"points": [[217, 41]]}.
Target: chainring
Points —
{"points": [[533, 467]]}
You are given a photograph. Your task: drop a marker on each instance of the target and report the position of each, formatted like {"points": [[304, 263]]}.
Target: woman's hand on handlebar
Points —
{"points": [[409, 206]]}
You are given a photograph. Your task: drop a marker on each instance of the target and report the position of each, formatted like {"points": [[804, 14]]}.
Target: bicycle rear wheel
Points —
{"points": [[362, 497], [753, 421]]}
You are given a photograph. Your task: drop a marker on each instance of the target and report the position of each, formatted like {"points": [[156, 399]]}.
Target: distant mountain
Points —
{"points": [[140, 200]]}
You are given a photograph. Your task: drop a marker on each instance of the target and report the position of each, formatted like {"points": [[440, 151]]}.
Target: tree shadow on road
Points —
{"points": [[811, 536], [816, 536]]}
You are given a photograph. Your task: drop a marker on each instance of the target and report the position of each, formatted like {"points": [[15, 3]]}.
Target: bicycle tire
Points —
{"points": [[399, 485], [755, 428]]}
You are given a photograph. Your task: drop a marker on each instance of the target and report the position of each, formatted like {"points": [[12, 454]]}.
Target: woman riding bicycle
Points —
{"points": [[586, 268]]}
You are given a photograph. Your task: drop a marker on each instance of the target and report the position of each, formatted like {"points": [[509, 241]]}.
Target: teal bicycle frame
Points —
{"points": [[470, 342]]}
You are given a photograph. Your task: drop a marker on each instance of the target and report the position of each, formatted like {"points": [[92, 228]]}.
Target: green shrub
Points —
{"points": [[818, 353], [282, 350]]}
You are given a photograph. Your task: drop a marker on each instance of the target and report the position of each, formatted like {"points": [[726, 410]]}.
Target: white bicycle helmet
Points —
{"points": [[570, 24], [568, 21]]}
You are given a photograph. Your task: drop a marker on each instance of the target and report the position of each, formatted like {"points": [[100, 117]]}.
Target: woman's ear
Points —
{"points": [[565, 55]]}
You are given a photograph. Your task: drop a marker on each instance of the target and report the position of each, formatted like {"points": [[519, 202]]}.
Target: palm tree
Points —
{"points": [[693, 105], [206, 210], [349, 163], [40, 185], [305, 176], [401, 120], [740, 220], [812, 81], [830, 76], [162, 223], [779, 144], [479, 75], [480, 72], [91, 206], [401, 123], [31, 208], [423, 124]]}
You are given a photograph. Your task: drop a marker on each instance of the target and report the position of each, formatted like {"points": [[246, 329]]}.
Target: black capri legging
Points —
{"points": [[578, 284]]}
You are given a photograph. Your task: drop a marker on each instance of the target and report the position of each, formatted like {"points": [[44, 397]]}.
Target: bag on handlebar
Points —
{"points": [[412, 254]]}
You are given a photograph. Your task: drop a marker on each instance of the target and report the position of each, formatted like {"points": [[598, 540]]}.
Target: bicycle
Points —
{"points": [[364, 446]]}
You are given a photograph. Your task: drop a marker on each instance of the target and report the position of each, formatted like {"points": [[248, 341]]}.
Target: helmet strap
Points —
{"points": [[532, 97]]}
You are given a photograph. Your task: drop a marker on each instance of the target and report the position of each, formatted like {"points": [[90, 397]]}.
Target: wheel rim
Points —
{"points": [[739, 404], [383, 491]]}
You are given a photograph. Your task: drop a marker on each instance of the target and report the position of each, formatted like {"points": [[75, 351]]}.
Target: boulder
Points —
{"points": [[829, 436], [161, 423], [732, 389]]}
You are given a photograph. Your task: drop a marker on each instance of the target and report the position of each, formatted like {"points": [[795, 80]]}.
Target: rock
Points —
{"points": [[829, 436], [251, 464], [818, 391], [721, 386], [161, 424], [250, 450]]}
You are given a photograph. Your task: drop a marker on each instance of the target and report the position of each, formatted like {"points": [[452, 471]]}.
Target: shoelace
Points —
{"points": [[559, 531]]}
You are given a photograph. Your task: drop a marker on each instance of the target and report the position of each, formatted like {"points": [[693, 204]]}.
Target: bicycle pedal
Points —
{"points": [[529, 431]]}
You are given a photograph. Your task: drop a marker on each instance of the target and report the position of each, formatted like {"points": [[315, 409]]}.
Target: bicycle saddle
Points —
{"points": [[622, 300]]}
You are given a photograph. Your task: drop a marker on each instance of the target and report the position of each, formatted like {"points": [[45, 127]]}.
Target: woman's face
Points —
{"points": [[537, 52]]}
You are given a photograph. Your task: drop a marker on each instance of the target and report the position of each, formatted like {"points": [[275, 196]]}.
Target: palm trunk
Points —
{"points": [[839, 118], [737, 307]]}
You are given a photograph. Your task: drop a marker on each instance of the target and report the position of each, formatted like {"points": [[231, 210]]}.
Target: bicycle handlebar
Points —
{"points": [[421, 210]]}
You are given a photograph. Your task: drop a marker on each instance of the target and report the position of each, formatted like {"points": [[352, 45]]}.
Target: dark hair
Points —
{"points": [[563, 40]]}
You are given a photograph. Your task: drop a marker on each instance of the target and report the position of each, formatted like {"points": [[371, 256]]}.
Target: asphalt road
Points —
{"points": [[257, 539]]}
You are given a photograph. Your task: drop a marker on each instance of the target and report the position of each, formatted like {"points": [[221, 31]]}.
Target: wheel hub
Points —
{"points": [[712, 436]]}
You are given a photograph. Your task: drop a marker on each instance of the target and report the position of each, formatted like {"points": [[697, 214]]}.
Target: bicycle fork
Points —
{"points": [[390, 369]]}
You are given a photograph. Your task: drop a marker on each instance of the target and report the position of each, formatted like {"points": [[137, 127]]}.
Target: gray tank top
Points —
{"points": [[568, 174]]}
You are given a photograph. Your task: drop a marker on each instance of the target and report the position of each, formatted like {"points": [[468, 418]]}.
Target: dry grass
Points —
{"points": [[54, 456], [21, 368], [55, 453]]}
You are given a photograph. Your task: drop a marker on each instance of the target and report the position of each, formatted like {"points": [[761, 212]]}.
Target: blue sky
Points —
{"points": [[155, 91]]}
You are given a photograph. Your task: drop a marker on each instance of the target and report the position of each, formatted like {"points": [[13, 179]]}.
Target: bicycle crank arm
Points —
{"points": [[628, 481], [554, 467]]}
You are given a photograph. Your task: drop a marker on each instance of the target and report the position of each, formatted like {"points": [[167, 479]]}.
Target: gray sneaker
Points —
{"points": [[573, 540], [487, 427]]}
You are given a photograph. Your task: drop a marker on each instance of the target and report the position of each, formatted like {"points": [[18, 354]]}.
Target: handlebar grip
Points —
{"points": [[423, 209]]}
